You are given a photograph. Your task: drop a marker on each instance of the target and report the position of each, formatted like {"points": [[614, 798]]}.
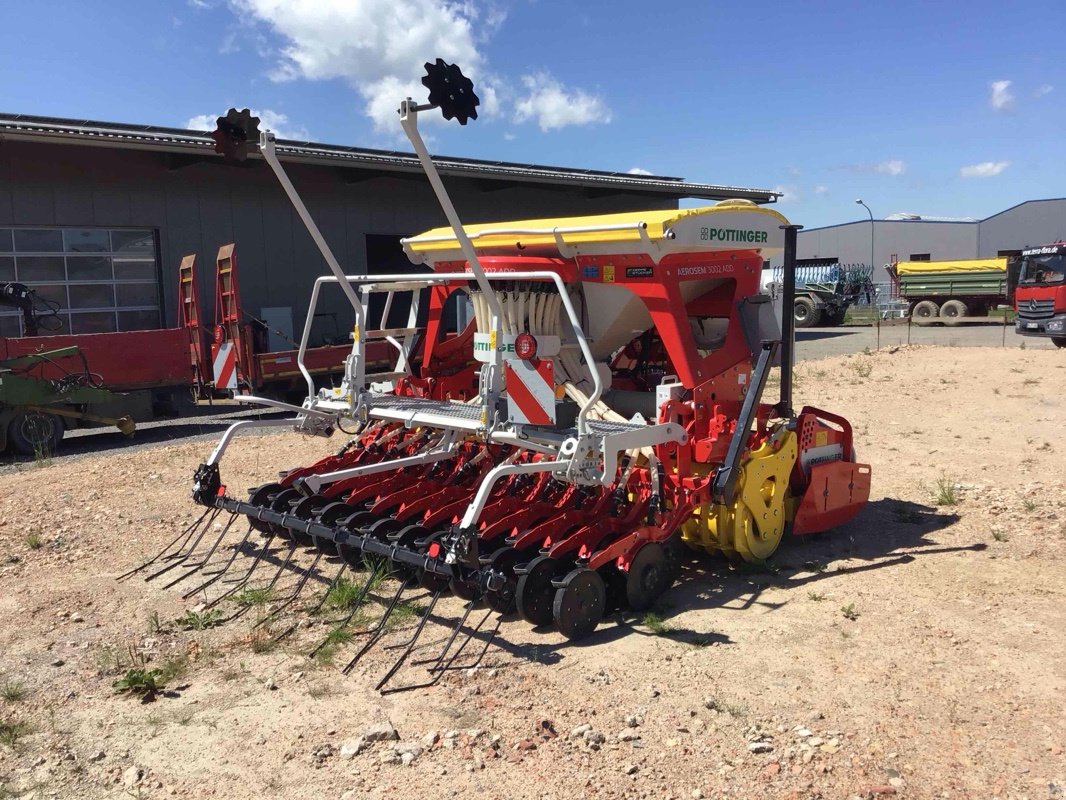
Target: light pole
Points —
{"points": [[868, 211]]}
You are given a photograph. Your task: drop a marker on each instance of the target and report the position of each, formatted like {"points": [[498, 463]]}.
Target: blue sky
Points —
{"points": [[934, 108]]}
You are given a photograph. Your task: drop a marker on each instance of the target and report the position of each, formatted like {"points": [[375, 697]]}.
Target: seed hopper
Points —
{"points": [[601, 417]]}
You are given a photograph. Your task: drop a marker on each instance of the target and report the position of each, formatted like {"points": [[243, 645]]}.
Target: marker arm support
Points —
{"points": [[266, 147], [409, 120]]}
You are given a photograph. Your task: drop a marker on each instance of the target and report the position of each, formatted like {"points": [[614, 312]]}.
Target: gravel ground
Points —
{"points": [[916, 652]]}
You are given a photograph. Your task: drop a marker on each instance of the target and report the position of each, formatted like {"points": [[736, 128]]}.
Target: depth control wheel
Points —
{"points": [[282, 504], [305, 509], [648, 577], [356, 523], [462, 589], [260, 496], [579, 603], [534, 592], [329, 516]]}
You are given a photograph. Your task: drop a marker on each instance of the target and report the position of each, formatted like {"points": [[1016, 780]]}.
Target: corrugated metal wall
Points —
{"points": [[851, 242], [1028, 225], [199, 206]]}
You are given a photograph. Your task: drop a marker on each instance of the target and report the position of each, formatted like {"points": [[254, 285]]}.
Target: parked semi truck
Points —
{"points": [[1040, 294], [951, 290]]}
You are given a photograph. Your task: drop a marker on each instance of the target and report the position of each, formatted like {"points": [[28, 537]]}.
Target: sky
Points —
{"points": [[935, 108]]}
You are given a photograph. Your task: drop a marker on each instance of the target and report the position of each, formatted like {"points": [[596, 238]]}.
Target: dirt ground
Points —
{"points": [[916, 652]]}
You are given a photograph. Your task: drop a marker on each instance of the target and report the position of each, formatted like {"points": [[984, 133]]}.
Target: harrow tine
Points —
{"points": [[266, 589], [317, 608], [411, 642], [451, 638], [192, 568], [241, 581], [376, 631], [438, 669], [359, 598], [217, 574], [481, 655], [305, 575], [182, 556], [329, 588], [187, 532]]}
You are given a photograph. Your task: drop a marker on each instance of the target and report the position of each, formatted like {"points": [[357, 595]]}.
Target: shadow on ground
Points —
{"points": [[886, 534], [813, 335]]}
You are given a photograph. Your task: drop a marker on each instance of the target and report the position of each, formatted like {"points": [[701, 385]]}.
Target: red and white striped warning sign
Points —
{"points": [[224, 357], [530, 387]]}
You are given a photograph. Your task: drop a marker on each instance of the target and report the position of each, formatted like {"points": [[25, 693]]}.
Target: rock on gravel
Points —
{"points": [[382, 732], [354, 747], [132, 776]]}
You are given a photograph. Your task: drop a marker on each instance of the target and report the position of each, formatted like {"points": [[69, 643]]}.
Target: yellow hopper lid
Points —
{"points": [[729, 225]]}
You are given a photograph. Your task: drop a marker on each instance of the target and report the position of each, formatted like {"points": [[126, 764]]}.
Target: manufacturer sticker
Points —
{"points": [[639, 272]]}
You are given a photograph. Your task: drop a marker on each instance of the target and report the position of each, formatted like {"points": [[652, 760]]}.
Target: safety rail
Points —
{"points": [[354, 390]]}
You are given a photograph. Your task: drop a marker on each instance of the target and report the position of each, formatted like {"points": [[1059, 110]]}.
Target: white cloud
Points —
{"points": [[986, 169], [1000, 97], [272, 120], [892, 167], [637, 171], [788, 192], [1043, 90], [554, 106], [509, 137], [821, 189], [377, 46], [202, 122]]}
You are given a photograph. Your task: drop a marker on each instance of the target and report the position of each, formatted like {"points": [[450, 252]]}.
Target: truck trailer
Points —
{"points": [[951, 290]]}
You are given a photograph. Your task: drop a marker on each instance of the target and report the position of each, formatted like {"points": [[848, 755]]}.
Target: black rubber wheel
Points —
{"points": [[806, 313], [925, 309], [534, 592], [952, 310], [579, 603], [260, 496], [282, 504], [35, 434], [329, 515], [1058, 341], [355, 523], [648, 576], [503, 561]]}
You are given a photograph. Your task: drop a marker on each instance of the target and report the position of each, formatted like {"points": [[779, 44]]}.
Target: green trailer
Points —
{"points": [[32, 407], [951, 290]]}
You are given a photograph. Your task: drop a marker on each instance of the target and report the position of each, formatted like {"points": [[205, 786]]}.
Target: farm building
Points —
{"points": [[96, 216]]}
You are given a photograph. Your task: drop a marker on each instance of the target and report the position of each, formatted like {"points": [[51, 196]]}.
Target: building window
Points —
{"points": [[920, 257], [95, 280]]}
